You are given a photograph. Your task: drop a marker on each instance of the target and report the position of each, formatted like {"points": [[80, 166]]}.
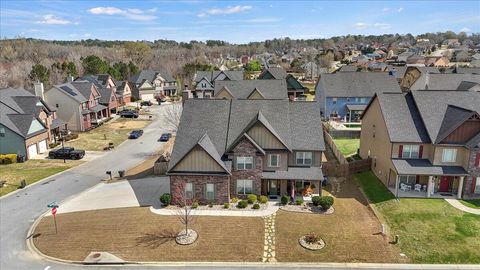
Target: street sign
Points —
{"points": [[54, 211], [52, 205]]}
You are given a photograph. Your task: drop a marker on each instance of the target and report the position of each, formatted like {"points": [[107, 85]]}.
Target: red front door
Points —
{"points": [[444, 184]]}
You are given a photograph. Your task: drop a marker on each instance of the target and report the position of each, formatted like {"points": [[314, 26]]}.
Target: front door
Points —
{"points": [[444, 184], [273, 187]]}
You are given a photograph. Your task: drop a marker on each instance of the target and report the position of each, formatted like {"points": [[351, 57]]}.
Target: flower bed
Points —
{"points": [[308, 208]]}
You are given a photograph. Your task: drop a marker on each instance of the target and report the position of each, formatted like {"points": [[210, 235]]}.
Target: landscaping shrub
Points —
{"points": [[326, 202], [263, 199], [299, 201], [235, 199], [8, 158], [195, 205], [251, 198], [256, 206], [53, 145], [226, 205], [312, 238], [285, 200], [242, 204], [316, 200], [166, 199], [210, 205]]}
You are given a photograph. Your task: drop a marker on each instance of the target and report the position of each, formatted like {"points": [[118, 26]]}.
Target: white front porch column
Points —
{"points": [[460, 187], [429, 186], [397, 180]]}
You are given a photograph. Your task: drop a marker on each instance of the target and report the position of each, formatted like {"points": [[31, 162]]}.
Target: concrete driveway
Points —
{"points": [[125, 193]]}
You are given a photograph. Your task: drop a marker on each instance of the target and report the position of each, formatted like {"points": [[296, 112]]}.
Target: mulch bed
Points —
{"points": [[308, 208]]}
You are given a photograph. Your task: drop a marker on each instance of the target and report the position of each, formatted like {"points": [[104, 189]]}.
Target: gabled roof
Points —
{"points": [[255, 91], [453, 118], [270, 89], [357, 84], [246, 136], [277, 73], [105, 94], [232, 75], [443, 81], [149, 75], [225, 88]]}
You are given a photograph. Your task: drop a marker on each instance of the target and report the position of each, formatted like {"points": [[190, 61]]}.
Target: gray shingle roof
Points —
{"points": [[150, 75], [270, 89], [357, 84], [277, 72], [233, 75], [105, 94], [424, 167], [224, 121], [443, 81]]}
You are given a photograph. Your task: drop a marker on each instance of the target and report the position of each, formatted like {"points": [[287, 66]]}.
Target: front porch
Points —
{"points": [[295, 182]]}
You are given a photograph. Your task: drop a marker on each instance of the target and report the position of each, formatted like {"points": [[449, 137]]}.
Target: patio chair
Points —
{"points": [[418, 187], [403, 187], [424, 188]]}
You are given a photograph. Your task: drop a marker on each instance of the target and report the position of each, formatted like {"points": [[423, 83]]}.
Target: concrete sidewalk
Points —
{"points": [[272, 208], [455, 203]]}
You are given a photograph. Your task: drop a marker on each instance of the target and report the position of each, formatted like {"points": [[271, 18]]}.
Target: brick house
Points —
{"points": [[424, 143], [270, 147]]}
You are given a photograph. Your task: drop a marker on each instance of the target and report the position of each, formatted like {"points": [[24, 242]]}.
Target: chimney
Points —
{"points": [[39, 90], [70, 79]]}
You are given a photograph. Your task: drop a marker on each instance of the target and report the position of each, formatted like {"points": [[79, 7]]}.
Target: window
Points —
{"points": [[408, 179], [204, 85], [449, 155], [274, 160], [477, 186], [244, 187], [304, 158], [189, 191], [334, 101], [244, 163], [348, 99], [410, 151], [210, 192], [2, 132]]}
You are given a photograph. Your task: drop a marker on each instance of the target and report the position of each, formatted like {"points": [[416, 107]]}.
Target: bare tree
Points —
{"points": [[172, 114], [184, 212]]}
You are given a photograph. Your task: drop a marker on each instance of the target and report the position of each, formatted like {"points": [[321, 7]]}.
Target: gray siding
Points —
{"points": [[68, 109], [198, 161], [12, 143]]}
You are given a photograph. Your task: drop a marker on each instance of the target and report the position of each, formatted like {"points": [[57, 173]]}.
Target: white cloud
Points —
{"points": [[87, 35], [362, 25], [130, 13], [400, 9], [224, 11], [386, 9], [465, 29], [263, 20], [51, 19]]}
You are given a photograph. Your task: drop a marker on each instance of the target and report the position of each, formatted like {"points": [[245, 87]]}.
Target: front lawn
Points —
{"points": [[347, 146], [430, 230], [136, 234], [115, 131], [31, 171], [471, 203]]}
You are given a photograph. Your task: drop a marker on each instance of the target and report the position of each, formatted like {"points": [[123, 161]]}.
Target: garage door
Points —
{"points": [[147, 97], [42, 146], [32, 150]]}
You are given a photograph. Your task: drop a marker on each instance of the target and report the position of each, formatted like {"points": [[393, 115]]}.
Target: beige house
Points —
{"points": [[424, 143]]}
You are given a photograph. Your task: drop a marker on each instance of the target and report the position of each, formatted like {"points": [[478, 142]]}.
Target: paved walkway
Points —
{"points": [[269, 247], [455, 203], [272, 208]]}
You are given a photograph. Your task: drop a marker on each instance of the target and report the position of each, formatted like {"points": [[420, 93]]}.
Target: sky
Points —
{"points": [[233, 21]]}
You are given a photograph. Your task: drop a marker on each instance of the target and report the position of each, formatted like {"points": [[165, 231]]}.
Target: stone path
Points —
{"points": [[269, 247], [455, 203]]}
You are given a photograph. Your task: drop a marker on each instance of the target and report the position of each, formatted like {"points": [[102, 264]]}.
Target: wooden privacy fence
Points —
{"points": [[333, 168], [335, 133], [341, 159]]}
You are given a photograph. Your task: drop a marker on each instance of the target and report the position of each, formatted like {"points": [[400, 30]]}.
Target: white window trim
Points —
{"points": [[270, 160], [242, 160], [454, 155], [192, 191], [477, 186], [207, 192], [242, 184], [303, 158]]}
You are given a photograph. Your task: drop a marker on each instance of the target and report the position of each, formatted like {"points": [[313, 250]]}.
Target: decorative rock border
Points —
{"points": [[315, 246], [269, 247], [186, 238], [308, 208]]}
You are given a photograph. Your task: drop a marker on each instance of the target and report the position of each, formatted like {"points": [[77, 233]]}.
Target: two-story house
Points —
{"points": [[271, 147], [77, 103], [294, 87], [424, 143], [123, 92], [344, 95], [27, 124], [251, 89], [205, 81], [446, 81], [149, 84]]}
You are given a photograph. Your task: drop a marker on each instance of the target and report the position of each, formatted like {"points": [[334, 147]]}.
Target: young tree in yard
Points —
{"points": [[184, 214], [253, 65], [39, 73], [172, 116]]}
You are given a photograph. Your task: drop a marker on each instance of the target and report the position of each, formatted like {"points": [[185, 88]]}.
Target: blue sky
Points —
{"points": [[232, 21]]}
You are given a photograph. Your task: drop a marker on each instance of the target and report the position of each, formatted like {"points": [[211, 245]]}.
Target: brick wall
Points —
{"points": [[473, 173], [245, 148], [177, 184]]}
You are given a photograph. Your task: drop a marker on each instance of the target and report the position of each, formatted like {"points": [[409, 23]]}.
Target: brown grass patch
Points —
{"points": [[136, 234]]}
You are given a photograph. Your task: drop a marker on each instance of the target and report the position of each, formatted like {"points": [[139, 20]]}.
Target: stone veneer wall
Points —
{"points": [[222, 195], [245, 148], [473, 173]]}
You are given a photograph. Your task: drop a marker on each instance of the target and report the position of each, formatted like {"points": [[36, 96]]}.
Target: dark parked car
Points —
{"points": [[67, 153], [146, 103], [165, 137], [128, 114], [135, 134]]}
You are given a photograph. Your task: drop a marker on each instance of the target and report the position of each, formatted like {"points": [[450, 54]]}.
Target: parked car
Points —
{"points": [[67, 153], [165, 137], [135, 134], [128, 114], [146, 103]]}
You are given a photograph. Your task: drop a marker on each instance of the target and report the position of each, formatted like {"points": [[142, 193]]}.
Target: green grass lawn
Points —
{"points": [[471, 203], [347, 146], [31, 171], [430, 230]]}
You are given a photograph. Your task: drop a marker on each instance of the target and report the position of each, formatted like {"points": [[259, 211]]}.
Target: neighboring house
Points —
{"points": [[108, 98], [27, 124], [251, 89], [404, 56], [123, 92], [349, 68], [100, 81], [269, 147], [205, 81], [148, 84], [444, 81], [461, 56], [77, 103], [424, 139], [294, 87], [344, 95], [377, 66], [397, 71], [436, 61], [312, 70], [412, 74]]}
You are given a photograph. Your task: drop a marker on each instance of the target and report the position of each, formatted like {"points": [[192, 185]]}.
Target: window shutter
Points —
{"points": [[214, 191], [474, 183], [400, 151], [477, 162], [193, 190], [420, 151], [235, 165]]}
